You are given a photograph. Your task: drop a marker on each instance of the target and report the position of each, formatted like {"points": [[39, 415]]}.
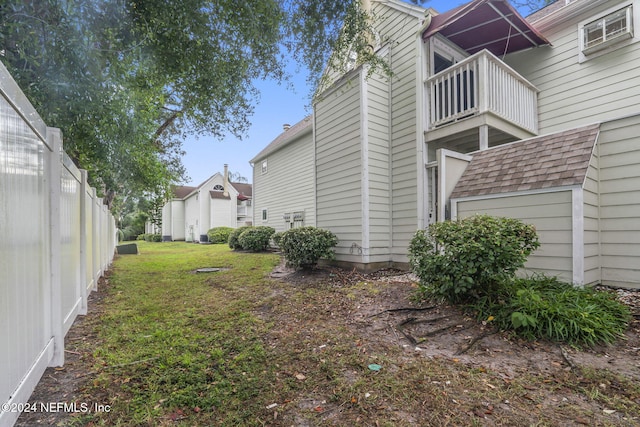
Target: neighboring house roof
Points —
{"points": [[243, 189], [180, 192], [219, 195], [286, 137], [486, 24], [555, 160]]}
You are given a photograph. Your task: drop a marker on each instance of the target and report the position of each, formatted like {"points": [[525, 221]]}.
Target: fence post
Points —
{"points": [[94, 241], [83, 242], [54, 140]]}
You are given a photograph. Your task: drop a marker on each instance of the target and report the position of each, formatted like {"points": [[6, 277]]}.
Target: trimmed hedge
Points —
{"points": [[304, 246], [256, 239], [219, 234], [462, 260], [150, 237], [234, 235]]}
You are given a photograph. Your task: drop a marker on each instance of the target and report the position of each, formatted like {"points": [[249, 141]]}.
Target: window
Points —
{"points": [[218, 187], [609, 29], [264, 214], [264, 166]]}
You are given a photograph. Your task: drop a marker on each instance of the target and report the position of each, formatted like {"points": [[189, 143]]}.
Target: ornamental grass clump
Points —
{"points": [[304, 246], [545, 307], [460, 261]]}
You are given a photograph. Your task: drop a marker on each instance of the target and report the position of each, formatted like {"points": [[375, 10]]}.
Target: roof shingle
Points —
{"points": [[559, 159]]}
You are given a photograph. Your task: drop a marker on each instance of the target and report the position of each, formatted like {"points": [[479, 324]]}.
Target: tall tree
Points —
{"points": [[126, 80]]}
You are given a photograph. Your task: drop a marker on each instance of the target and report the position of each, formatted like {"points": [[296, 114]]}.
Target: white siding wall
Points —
{"points": [[604, 87], [177, 230], [223, 212], [379, 162], [288, 184], [592, 223], [339, 167], [401, 29], [191, 218], [619, 162], [550, 213]]}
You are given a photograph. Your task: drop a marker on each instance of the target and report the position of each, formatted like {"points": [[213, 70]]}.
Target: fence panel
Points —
{"points": [[56, 237]]}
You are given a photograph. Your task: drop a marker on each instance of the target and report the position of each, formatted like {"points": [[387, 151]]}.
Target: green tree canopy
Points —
{"points": [[126, 80]]}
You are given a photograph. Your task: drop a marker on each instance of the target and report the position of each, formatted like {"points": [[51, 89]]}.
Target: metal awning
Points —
{"points": [[486, 24]]}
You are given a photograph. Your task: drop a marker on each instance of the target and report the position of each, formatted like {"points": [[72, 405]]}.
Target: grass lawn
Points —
{"points": [[237, 348]]}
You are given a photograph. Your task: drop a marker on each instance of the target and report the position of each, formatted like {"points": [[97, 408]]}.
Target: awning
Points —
{"points": [[486, 24]]}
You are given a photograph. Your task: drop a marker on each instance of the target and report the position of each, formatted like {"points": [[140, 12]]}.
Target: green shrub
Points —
{"points": [[466, 259], [256, 239], [304, 246], [148, 237], [544, 307], [219, 234], [277, 238], [233, 237]]}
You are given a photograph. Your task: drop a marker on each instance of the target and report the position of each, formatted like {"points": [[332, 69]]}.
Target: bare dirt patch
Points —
{"points": [[439, 366]]}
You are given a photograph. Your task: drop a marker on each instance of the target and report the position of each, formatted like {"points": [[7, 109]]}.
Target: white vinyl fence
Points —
{"points": [[56, 240]]}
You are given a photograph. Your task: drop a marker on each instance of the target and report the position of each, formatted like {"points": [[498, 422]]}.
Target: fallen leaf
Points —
{"points": [[318, 409], [608, 411], [301, 377]]}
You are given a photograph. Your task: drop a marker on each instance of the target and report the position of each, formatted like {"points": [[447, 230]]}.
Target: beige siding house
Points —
{"points": [[217, 202], [489, 112], [284, 173], [365, 147]]}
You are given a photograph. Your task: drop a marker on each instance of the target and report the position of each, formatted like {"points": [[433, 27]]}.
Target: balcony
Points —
{"points": [[481, 91], [243, 211]]}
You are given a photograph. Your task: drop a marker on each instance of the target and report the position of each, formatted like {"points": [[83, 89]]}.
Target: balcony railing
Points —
{"points": [[479, 84]]}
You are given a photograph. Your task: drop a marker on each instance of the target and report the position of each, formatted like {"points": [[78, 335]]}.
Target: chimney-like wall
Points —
{"points": [[225, 193]]}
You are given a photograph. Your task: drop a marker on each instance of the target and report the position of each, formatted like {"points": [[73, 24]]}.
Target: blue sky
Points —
{"points": [[277, 105]]}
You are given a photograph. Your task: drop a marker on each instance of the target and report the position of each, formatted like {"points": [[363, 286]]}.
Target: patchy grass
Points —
{"points": [[236, 348]]}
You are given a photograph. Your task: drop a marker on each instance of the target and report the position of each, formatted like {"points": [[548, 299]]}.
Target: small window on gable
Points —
{"points": [[607, 30], [264, 166], [218, 187]]}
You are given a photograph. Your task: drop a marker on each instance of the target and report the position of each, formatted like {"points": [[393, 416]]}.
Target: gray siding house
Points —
{"points": [[284, 172], [536, 118]]}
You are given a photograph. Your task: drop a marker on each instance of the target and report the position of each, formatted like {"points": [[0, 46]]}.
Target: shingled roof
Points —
{"points": [[555, 160], [180, 192], [285, 138]]}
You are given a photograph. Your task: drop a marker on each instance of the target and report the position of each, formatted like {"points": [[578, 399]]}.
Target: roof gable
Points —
{"points": [[243, 189], [285, 138], [555, 160]]}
